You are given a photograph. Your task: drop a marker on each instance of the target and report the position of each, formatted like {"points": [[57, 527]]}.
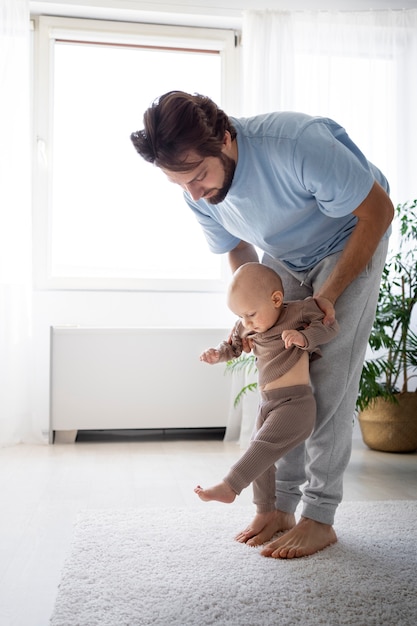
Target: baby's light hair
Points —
{"points": [[255, 277]]}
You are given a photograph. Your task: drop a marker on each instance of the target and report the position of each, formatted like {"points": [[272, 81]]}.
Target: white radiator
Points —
{"points": [[137, 378]]}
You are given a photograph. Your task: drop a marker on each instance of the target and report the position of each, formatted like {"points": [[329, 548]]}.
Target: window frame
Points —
{"points": [[47, 29]]}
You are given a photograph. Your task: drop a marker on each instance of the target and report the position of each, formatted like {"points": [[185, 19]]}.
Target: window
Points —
{"points": [[104, 217]]}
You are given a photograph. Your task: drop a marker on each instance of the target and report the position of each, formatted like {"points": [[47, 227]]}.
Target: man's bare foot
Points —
{"points": [[264, 526], [221, 493], [306, 538]]}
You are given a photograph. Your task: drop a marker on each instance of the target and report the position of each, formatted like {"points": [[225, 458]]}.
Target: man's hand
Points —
{"points": [[210, 356], [328, 309], [247, 344]]}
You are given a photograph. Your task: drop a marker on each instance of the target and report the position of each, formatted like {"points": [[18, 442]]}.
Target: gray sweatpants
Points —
{"points": [[286, 417], [319, 464]]}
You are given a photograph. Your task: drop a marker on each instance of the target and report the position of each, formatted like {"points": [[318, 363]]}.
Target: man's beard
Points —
{"points": [[229, 167]]}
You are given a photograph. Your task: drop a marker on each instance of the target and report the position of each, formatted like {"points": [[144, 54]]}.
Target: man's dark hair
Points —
{"points": [[178, 123]]}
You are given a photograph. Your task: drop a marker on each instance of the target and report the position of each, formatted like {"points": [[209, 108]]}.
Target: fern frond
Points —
{"points": [[243, 391]]}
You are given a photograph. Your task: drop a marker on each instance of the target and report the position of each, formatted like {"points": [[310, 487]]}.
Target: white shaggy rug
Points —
{"points": [[182, 567]]}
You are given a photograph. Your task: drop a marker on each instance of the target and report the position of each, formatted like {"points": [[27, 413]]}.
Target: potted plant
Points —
{"points": [[387, 405]]}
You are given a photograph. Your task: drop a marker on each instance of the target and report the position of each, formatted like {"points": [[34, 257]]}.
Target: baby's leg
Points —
{"points": [[282, 423], [267, 521], [286, 418], [223, 492], [286, 423]]}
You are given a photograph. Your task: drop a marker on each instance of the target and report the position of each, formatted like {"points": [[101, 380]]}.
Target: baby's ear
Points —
{"points": [[277, 298]]}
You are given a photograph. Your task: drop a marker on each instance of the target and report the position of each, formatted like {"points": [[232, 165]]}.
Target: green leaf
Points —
{"points": [[244, 391]]}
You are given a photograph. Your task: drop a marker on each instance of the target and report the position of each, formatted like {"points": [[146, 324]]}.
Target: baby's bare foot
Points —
{"points": [[221, 493], [264, 526], [306, 538]]}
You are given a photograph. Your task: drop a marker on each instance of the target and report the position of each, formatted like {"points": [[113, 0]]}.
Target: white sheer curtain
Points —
{"points": [[15, 224], [356, 67]]}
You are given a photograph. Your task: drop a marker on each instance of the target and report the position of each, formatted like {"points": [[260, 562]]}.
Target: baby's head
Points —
{"points": [[256, 295]]}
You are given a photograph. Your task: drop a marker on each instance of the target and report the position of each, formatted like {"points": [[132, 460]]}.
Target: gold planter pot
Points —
{"points": [[391, 427]]}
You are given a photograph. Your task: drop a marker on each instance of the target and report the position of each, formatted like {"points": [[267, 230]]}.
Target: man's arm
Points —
{"points": [[374, 215], [243, 253]]}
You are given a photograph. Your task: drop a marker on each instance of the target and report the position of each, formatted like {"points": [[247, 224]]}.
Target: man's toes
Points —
{"points": [[280, 553], [244, 535], [289, 553], [255, 541]]}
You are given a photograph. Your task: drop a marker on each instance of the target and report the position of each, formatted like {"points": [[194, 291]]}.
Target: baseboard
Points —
{"points": [[147, 434]]}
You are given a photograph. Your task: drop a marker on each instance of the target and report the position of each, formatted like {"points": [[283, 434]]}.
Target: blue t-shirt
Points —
{"points": [[297, 181]]}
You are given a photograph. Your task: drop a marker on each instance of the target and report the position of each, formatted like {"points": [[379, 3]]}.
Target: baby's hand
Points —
{"points": [[210, 356], [293, 338]]}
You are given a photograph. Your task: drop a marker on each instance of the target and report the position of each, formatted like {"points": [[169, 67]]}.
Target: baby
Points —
{"points": [[284, 336]]}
